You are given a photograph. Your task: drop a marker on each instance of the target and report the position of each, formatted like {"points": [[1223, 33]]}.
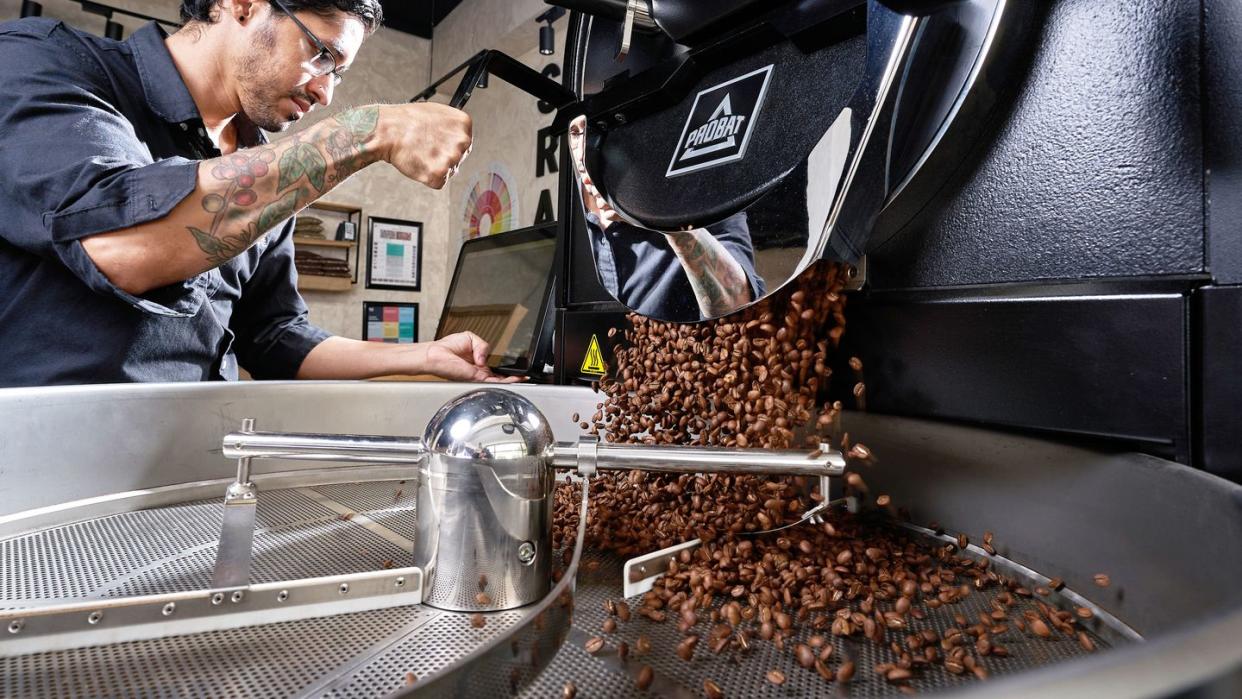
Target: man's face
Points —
{"points": [[277, 83]]}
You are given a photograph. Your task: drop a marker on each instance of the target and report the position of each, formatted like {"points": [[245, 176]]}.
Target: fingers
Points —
{"points": [[481, 349]]}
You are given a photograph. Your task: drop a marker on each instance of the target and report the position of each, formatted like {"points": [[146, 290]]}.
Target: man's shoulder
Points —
{"points": [[35, 27]]}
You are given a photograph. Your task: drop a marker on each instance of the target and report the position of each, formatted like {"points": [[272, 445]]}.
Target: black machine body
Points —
{"points": [[1046, 195]]}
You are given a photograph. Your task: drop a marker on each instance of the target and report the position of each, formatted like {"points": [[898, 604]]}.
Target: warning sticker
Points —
{"points": [[593, 363]]}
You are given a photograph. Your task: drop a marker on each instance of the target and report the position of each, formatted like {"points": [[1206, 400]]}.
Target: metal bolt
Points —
{"points": [[236, 596], [217, 598], [16, 625], [526, 553], [284, 595], [619, 117], [344, 588], [170, 608], [400, 581], [94, 618]]}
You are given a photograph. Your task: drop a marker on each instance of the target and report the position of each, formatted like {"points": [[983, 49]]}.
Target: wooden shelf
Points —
{"points": [[339, 208], [323, 243], [314, 282]]}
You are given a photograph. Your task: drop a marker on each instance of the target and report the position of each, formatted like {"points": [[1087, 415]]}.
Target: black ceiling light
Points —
{"points": [[114, 30], [30, 8], [547, 35]]}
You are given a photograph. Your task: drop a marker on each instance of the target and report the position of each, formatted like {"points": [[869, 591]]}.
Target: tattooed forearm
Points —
{"points": [[720, 285], [250, 192]]}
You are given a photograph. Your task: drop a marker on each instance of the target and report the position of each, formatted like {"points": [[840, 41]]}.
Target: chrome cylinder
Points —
{"points": [[485, 504]]}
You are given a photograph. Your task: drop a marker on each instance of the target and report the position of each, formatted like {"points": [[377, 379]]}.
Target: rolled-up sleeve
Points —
{"points": [[74, 165], [270, 320]]}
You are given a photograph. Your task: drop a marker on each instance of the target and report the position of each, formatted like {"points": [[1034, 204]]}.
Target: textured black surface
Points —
{"points": [[798, 109], [1112, 366], [1222, 63], [1097, 172], [1218, 380]]}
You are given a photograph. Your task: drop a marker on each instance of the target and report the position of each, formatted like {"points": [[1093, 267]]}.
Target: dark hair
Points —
{"points": [[369, 11]]}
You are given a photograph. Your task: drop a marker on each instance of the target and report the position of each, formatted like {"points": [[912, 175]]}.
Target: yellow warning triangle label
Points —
{"points": [[593, 363]]}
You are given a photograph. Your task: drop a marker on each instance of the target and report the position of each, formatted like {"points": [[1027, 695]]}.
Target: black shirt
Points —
{"points": [[641, 270], [95, 136]]}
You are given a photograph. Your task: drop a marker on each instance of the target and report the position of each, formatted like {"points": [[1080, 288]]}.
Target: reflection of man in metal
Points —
{"points": [[657, 273]]}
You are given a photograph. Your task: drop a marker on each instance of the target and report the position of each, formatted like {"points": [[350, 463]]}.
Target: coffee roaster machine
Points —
{"points": [[1038, 199]]}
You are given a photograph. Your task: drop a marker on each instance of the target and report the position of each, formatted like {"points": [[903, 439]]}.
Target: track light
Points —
{"points": [[30, 8], [547, 39], [114, 31], [483, 80]]}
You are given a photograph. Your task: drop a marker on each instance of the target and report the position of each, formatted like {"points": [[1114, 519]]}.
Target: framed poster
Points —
{"points": [[390, 321], [394, 254]]}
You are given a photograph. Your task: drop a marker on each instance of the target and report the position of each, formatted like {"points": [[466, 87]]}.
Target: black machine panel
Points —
{"points": [[1065, 269], [1095, 171]]}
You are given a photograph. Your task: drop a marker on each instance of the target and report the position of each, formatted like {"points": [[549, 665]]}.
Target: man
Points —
{"points": [[147, 222], [681, 275]]}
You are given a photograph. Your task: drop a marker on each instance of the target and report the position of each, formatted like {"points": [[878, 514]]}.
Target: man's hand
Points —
{"points": [[461, 357], [426, 141]]}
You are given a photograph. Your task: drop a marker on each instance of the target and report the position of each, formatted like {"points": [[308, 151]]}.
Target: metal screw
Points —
{"points": [[284, 595], [344, 588], [16, 625], [170, 608], [619, 117], [236, 596], [94, 617], [526, 553], [217, 598], [400, 581]]}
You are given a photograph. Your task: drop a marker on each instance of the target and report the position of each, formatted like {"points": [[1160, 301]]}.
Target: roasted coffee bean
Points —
{"points": [[410, 678], [610, 625], [623, 611], [776, 677], [482, 599], [1039, 628], [1084, 612], [642, 645], [898, 674], [1102, 579], [594, 645], [1085, 641], [805, 656], [645, 677], [712, 690], [478, 621], [623, 651], [685, 649], [846, 672], [882, 501]]}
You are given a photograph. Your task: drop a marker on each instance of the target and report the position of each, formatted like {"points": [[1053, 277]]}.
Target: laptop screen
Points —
{"points": [[500, 291]]}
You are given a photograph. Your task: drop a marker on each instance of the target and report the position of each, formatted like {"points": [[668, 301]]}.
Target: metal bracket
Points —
{"points": [[237, 529], [107, 621]]}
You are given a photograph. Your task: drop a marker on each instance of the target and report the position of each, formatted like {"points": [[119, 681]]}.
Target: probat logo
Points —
{"points": [[720, 123]]}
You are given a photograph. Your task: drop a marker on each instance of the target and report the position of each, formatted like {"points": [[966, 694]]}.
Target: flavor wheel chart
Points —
{"points": [[489, 207]]}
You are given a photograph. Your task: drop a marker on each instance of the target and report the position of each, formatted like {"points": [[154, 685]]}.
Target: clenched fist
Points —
{"points": [[425, 141]]}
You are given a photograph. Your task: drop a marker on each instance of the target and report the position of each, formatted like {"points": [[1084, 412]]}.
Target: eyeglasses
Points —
{"points": [[324, 62]]}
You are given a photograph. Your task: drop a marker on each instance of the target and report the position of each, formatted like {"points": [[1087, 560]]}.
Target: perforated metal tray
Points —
{"points": [[344, 528]]}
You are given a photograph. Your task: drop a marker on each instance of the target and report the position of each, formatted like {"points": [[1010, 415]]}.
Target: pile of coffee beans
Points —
{"points": [[756, 379]]}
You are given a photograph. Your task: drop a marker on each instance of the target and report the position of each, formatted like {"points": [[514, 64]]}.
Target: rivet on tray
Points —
{"points": [[94, 617], [236, 596], [284, 595], [344, 588], [16, 625], [169, 608], [217, 598], [400, 581]]}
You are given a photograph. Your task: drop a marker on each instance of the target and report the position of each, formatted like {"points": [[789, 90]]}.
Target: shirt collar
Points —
{"points": [[166, 92]]}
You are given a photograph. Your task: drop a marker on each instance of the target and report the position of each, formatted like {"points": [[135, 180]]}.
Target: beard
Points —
{"points": [[262, 92]]}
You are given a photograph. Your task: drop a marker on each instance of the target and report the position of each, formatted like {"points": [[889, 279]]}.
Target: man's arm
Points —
{"points": [[240, 196], [458, 357], [719, 282]]}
